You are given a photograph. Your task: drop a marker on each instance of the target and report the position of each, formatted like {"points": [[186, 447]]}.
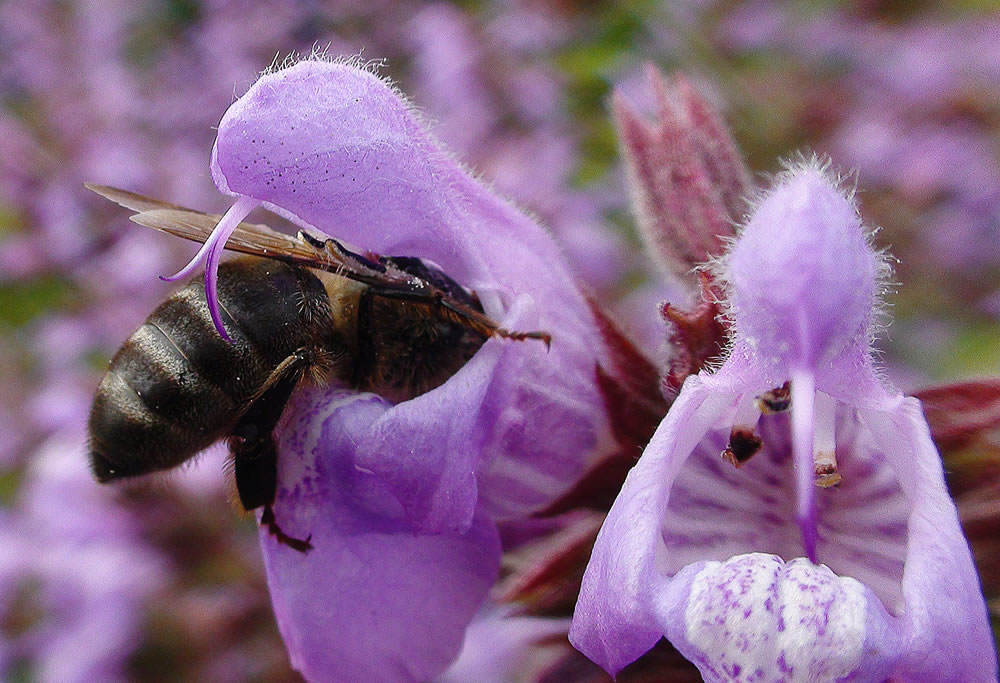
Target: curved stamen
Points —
{"points": [[211, 252], [195, 261]]}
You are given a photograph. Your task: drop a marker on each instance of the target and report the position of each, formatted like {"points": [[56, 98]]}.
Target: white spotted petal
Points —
{"points": [[755, 616]]}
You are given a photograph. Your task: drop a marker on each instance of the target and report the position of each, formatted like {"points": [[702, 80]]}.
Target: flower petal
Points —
{"points": [[427, 466], [501, 646], [374, 599], [333, 147], [755, 617], [614, 622], [682, 551], [946, 620], [889, 525]]}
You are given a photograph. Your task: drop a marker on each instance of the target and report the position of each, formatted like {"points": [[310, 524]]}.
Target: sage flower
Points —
{"points": [[402, 500], [789, 518]]}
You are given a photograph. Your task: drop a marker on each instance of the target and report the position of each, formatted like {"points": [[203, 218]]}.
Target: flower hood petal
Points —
{"points": [[334, 147]]}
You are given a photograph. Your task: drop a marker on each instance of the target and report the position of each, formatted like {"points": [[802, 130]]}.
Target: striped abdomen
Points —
{"points": [[175, 387]]}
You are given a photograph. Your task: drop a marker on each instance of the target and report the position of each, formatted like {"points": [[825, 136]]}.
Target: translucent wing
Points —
{"points": [[248, 238], [383, 274], [130, 200]]}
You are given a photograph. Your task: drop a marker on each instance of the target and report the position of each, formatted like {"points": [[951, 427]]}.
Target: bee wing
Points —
{"points": [[329, 255], [248, 238], [306, 250], [130, 200]]}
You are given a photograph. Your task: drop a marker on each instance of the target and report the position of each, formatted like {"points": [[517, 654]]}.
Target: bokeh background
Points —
{"points": [[163, 581]]}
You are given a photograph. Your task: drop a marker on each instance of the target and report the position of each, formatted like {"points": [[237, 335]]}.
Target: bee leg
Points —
{"points": [[255, 457]]}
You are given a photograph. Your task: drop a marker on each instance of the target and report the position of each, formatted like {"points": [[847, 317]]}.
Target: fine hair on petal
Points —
{"points": [[845, 184], [321, 53]]}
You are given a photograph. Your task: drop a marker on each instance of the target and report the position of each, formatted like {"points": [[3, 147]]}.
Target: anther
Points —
{"points": [[744, 442], [743, 445], [777, 400]]}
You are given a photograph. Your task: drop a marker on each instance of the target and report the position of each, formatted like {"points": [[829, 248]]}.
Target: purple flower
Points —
{"points": [[402, 500], [834, 552]]}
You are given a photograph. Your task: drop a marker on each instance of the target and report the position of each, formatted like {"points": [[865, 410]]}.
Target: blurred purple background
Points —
{"points": [[162, 580]]}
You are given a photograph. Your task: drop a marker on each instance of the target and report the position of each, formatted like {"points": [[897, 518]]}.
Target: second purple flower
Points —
{"points": [[789, 519]]}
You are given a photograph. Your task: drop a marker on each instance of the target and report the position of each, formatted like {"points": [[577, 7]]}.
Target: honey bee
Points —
{"points": [[295, 307]]}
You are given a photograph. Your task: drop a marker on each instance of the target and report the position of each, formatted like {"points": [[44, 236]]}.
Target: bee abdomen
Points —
{"points": [[231, 366], [128, 438], [175, 387], [167, 382], [154, 409]]}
